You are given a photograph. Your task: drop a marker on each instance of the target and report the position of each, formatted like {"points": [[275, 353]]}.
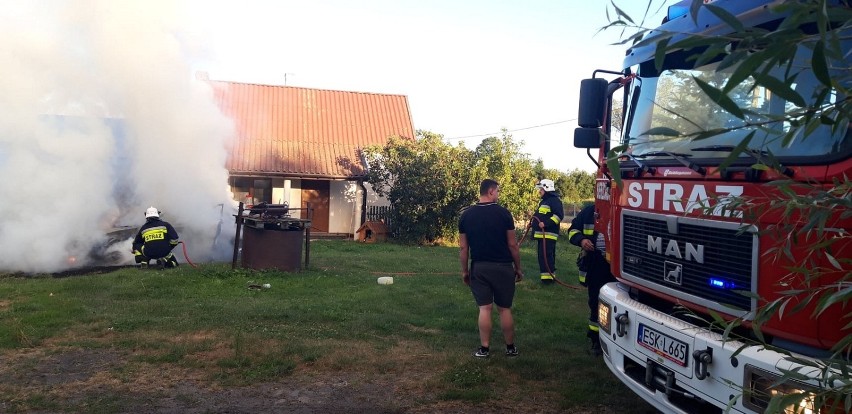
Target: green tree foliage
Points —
{"points": [[427, 181], [574, 187], [617, 120], [501, 159], [581, 184]]}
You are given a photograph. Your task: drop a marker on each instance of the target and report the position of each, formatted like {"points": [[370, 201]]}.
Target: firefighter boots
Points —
{"points": [[595, 347]]}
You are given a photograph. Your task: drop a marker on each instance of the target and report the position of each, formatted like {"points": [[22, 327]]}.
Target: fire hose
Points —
{"points": [[544, 255], [185, 255]]}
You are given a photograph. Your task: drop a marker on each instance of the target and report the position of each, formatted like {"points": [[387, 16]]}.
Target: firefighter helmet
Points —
{"points": [[546, 185], [152, 212]]}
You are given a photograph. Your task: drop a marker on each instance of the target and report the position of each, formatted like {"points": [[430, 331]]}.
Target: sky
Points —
{"points": [[468, 67], [103, 116]]}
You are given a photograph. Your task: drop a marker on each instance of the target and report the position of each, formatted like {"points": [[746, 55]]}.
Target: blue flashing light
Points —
{"points": [[720, 283]]}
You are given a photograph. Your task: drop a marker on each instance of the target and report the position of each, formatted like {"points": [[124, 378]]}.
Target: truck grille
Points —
{"points": [[653, 255]]}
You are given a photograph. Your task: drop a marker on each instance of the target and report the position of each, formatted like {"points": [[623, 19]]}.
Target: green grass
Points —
{"points": [[207, 320]]}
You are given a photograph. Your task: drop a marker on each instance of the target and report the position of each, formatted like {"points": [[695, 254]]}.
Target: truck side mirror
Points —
{"points": [[592, 101], [590, 117], [587, 137]]}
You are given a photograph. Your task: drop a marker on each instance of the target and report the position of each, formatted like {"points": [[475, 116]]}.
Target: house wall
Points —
{"points": [[287, 190], [278, 191], [296, 193], [373, 199], [345, 201]]}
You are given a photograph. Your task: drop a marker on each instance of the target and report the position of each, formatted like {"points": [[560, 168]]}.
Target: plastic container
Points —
{"points": [[385, 280]]}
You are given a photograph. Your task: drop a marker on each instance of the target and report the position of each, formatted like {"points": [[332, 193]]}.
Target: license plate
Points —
{"points": [[663, 345]]}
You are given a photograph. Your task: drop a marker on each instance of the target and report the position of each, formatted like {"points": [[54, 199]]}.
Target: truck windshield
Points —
{"points": [[672, 99]]}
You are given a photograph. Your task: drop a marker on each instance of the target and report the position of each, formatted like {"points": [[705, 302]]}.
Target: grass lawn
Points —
{"points": [[327, 339]]}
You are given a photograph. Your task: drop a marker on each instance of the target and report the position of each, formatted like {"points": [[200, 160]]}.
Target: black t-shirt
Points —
{"points": [[485, 225]]}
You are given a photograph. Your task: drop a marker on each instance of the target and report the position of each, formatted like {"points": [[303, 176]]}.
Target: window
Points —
{"points": [[251, 190]]}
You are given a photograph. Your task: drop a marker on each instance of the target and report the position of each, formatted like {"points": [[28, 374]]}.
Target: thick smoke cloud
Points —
{"points": [[101, 118]]}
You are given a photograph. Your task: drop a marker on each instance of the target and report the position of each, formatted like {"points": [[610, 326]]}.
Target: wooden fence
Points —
{"points": [[381, 213]]}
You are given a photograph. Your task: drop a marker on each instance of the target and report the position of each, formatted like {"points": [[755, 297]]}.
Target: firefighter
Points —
{"points": [[545, 224], [594, 271], [155, 241]]}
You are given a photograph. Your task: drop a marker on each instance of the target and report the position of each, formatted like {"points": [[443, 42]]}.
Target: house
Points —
{"points": [[299, 145]]}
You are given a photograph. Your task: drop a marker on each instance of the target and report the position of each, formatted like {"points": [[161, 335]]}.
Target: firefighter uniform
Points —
{"points": [[594, 270], [155, 241], [550, 213]]}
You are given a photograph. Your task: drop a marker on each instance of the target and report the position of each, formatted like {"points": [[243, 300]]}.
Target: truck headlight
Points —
{"points": [[604, 312], [761, 386]]}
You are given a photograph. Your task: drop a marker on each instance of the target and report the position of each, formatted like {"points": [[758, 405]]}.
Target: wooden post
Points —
{"points": [[237, 236], [308, 235]]}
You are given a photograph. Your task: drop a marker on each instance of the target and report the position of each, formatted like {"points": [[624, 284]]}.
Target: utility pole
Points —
{"points": [[285, 77]]}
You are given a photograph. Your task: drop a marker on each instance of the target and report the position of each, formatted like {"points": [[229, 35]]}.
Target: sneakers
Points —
{"points": [[482, 352], [511, 351]]}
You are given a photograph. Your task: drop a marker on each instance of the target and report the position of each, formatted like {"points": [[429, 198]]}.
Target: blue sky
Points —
{"points": [[468, 67]]}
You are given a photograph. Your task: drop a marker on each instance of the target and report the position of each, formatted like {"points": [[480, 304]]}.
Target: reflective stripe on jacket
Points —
{"points": [[549, 212]]}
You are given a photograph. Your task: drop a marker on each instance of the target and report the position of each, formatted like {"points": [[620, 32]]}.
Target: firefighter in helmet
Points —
{"points": [[594, 271], [545, 225], [155, 241]]}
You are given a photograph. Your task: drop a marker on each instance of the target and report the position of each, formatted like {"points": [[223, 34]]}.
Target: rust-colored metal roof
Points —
{"points": [[291, 131]]}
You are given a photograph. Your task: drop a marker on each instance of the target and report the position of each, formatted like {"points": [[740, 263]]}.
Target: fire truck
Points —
{"points": [[685, 254]]}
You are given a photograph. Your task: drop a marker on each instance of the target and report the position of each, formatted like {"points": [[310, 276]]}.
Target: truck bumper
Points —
{"points": [[707, 376]]}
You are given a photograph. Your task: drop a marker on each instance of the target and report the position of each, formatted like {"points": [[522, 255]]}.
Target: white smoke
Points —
{"points": [[101, 118]]}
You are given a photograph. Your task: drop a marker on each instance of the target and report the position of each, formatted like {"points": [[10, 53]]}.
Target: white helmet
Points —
{"points": [[546, 185], [152, 212]]}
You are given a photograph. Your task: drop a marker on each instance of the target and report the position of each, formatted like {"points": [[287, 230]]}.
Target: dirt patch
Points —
{"points": [[89, 270], [401, 378], [72, 379], [62, 367], [420, 329]]}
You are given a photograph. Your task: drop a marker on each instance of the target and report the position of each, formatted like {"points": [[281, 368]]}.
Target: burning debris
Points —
{"points": [[112, 251]]}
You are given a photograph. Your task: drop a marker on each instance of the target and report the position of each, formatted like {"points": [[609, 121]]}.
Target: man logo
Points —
{"points": [[689, 252], [673, 273]]}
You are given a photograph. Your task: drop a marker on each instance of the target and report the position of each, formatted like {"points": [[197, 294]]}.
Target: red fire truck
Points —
{"points": [[683, 250]]}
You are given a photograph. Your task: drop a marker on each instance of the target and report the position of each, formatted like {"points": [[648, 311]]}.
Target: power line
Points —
{"points": [[511, 130]]}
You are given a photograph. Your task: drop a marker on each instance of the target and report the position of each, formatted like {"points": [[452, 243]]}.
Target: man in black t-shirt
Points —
{"points": [[487, 238]]}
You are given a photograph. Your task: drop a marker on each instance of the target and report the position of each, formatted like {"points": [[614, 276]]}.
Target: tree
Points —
{"points": [[501, 159], [617, 116], [574, 187], [427, 181], [754, 68]]}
